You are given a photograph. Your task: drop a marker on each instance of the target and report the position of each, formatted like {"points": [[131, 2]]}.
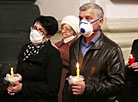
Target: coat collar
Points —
{"points": [[39, 57], [98, 43], [96, 46]]}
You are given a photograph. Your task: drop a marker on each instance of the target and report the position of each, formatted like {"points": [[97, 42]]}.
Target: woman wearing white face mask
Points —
{"points": [[39, 64]]}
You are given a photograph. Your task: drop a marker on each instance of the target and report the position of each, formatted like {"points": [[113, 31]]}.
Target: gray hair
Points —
{"points": [[97, 9]]}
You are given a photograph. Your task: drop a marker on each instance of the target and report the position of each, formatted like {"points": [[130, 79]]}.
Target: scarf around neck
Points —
{"points": [[32, 50]]}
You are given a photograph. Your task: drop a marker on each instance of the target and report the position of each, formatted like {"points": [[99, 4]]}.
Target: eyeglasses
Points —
{"points": [[38, 29], [65, 30]]}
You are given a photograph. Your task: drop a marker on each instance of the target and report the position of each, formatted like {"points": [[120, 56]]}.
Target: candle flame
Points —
{"points": [[77, 65], [131, 56], [11, 69]]}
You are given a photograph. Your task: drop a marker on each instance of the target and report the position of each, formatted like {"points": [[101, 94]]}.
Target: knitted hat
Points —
{"points": [[73, 21]]}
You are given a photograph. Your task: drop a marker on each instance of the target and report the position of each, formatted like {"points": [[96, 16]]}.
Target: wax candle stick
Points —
{"points": [[12, 73], [131, 59], [78, 70]]}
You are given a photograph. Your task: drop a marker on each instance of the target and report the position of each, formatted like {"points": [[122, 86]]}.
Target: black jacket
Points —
{"points": [[103, 69], [41, 76]]}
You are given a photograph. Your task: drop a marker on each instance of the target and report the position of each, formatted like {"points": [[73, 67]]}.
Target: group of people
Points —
{"points": [[44, 66]]}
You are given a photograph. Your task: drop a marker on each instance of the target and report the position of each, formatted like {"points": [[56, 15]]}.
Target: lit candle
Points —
{"points": [[12, 73], [78, 70], [131, 59]]}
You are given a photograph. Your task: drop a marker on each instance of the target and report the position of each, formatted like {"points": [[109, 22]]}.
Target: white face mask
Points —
{"points": [[68, 39], [35, 37], [86, 28]]}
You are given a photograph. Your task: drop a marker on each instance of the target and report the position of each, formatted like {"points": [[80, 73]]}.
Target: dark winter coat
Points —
{"points": [[41, 76]]}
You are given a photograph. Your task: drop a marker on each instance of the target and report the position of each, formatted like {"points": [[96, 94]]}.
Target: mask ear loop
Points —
{"points": [[94, 22]]}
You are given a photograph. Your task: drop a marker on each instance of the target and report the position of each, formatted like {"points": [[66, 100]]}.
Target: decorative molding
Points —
{"points": [[120, 25]]}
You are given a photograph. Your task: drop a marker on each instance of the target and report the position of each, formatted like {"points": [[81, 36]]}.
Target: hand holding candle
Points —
{"points": [[76, 78], [78, 70], [12, 77], [131, 59]]}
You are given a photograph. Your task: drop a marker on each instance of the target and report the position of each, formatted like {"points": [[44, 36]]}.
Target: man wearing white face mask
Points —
{"points": [[100, 61], [39, 64]]}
